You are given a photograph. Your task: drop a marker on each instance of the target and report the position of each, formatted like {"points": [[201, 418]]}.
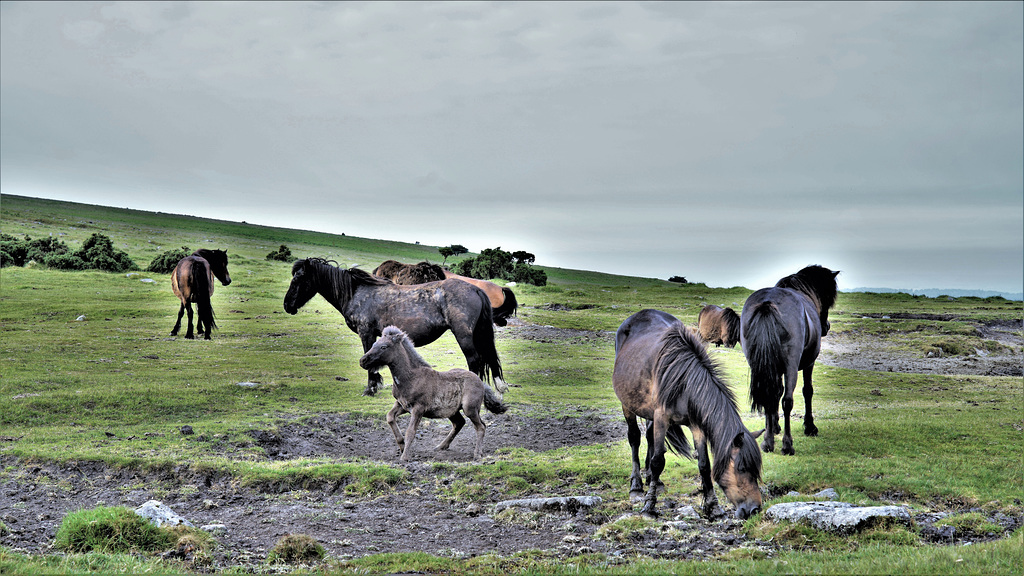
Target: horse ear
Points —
{"points": [[836, 273], [759, 432], [737, 442]]}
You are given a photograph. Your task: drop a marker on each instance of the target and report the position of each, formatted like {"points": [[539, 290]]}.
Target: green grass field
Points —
{"points": [[65, 384]]}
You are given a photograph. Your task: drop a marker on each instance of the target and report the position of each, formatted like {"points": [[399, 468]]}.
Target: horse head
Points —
{"points": [[219, 266], [819, 284], [384, 349], [303, 286], [739, 480]]}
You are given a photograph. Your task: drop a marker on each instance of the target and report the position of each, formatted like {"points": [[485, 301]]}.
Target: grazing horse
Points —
{"points": [[664, 374], [781, 330], [192, 281], [503, 300], [718, 325], [423, 311], [424, 392]]}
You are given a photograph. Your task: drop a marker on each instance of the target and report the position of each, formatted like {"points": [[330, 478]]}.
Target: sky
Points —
{"points": [[730, 143]]}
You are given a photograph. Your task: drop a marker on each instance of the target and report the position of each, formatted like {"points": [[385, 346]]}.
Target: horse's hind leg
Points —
{"points": [[188, 333], [636, 482], [787, 408], [457, 423], [657, 466], [481, 429], [809, 428], [177, 325]]}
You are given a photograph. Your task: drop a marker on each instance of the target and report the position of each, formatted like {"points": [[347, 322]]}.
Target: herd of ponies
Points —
{"points": [[662, 372]]}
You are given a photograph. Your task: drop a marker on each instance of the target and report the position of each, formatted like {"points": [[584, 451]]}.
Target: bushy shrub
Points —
{"points": [[98, 253], [165, 263], [284, 254]]}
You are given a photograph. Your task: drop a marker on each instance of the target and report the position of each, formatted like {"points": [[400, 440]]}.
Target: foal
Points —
{"points": [[424, 392]]}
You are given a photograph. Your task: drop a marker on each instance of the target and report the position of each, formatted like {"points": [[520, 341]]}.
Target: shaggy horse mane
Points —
{"points": [[817, 282]]}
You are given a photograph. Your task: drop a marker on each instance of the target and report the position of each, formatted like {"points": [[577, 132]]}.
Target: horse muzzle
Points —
{"points": [[745, 510]]}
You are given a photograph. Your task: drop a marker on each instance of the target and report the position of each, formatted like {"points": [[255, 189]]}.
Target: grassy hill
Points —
{"points": [[89, 374]]}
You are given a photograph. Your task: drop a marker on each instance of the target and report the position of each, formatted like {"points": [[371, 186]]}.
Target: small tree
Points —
{"points": [[523, 257], [679, 279], [446, 252]]}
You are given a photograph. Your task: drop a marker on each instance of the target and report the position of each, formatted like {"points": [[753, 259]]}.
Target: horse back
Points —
{"points": [[798, 316], [637, 347], [192, 277]]}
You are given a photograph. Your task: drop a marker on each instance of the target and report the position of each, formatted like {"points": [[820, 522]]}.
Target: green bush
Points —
{"points": [[284, 254], [165, 263], [98, 253], [497, 263]]}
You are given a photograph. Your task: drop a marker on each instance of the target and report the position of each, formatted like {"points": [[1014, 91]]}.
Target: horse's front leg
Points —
{"points": [[787, 408], [410, 432], [647, 460], [657, 450], [809, 428], [374, 380], [636, 481], [707, 488], [457, 423], [177, 325], [393, 415]]}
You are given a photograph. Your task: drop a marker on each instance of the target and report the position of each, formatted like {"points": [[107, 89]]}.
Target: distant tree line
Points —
{"points": [[497, 263]]}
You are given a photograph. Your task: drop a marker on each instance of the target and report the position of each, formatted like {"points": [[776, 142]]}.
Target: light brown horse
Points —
{"points": [[503, 301], [192, 281], [718, 325]]}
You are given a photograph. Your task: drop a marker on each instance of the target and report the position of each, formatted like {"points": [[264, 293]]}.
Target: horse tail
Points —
{"points": [[202, 286], [508, 307], [677, 441], [765, 334], [483, 341], [492, 401]]}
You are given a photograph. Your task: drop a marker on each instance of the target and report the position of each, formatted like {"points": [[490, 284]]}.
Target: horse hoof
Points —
{"points": [[811, 430], [768, 447], [369, 392], [788, 451]]}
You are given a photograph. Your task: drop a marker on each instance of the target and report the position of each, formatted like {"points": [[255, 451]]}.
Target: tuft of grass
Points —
{"points": [[296, 549], [971, 523], [628, 528], [112, 529]]}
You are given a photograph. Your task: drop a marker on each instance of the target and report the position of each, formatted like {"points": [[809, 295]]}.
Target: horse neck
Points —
{"points": [[404, 361], [334, 285]]}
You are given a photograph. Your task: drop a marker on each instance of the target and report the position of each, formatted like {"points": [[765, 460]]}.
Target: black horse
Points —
{"points": [[663, 374], [423, 311], [192, 281], [780, 331]]}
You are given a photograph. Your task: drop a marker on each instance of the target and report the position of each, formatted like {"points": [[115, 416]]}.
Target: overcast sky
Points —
{"points": [[729, 143]]}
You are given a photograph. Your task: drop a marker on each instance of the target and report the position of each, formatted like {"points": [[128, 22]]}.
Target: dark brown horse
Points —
{"points": [[423, 311], [781, 330], [192, 281], [663, 374], [503, 300], [407, 274], [718, 325], [426, 393]]}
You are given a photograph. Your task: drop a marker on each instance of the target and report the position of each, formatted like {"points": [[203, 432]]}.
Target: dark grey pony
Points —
{"points": [[423, 311], [426, 393], [781, 330], [663, 374], [718, 325]]}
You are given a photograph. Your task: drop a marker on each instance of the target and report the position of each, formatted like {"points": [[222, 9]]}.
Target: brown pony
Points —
{"points": [[192, 281], [718, 325], [503, 301], [663, 374]]}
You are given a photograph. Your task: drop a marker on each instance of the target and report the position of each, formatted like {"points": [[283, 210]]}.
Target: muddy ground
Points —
{"points": [[416, 515]]}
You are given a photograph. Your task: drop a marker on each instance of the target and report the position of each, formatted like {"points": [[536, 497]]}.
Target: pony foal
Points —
{"points": [[424, 392]]}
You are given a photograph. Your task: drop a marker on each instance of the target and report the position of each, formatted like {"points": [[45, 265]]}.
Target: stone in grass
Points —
{"points": [[838, 517], [158, 513]]}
